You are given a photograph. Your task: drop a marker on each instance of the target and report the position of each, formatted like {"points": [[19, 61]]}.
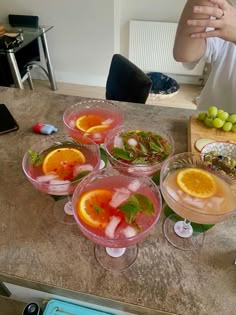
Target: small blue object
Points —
{"points": [[57, 307], [44, 128]]}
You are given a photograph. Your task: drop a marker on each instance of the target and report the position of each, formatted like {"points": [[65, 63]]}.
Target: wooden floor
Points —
{"points": [[185, 98]]}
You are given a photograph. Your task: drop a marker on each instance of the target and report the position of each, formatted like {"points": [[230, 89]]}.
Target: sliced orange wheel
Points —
{"points": [[62, 161], [87, 121], [196, 182], [93, 207], [98, 129]]}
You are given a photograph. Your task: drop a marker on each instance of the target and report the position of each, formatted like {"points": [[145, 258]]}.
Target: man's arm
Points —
{"points": [[186, 48]]}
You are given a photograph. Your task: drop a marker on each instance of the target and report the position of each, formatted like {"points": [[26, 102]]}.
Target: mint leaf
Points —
{"points": [[121, 153], [97, 208], [135, 204], [145, 203], [143, 149], [79, 176], [36, 158], [130, 208], [155, 147], [140, 160]]}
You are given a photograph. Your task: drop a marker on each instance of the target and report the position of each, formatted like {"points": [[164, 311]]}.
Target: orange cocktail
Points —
{"points": [[209, 203], [199, 193]]}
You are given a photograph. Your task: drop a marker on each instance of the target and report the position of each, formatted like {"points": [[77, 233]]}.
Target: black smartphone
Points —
{"points": [[7, 121]]}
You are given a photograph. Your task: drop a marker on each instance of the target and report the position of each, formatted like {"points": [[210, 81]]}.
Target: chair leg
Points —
{"points": [[30, 81]]}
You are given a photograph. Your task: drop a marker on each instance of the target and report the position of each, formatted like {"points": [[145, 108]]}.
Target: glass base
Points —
{"points": [[184, 240], [63, 211], [120, 262]]}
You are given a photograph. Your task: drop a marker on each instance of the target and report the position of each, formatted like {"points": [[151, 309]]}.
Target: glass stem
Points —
{"points": [[186, 224], [68, 208], [115, 252], [183, 228]]}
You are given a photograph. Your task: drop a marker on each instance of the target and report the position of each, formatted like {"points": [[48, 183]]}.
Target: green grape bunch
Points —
{"points": [[218, 118]]}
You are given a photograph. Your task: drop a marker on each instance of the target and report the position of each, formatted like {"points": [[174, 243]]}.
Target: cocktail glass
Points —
{"points": [[60, 178], [93, 119], [203, 196], [139, 151], [116, 211]]}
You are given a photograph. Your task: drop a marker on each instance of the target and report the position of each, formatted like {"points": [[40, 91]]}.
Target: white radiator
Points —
{"points": [[151, 48]]}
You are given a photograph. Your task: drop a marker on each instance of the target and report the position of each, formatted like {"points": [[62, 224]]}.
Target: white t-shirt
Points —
{"points": [[220, 88]]}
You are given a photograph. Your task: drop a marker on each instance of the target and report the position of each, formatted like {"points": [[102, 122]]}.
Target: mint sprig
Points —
{"points": [[134, 205], [36, 158]]}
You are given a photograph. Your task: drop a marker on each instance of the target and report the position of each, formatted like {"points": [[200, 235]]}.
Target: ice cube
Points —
{"points": [[173, 193], [97, 136], [102, 164], [59, 187], [72, 123], [120, 195], [195, 202], [132, 142], [111, 226], [118, 142], [107, 121], [217, 203], [128, 231], [82, 168], [134, 185], [46, 178]]}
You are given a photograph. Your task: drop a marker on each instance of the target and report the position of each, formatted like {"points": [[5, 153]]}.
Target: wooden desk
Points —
{"points": [[38, 252]]}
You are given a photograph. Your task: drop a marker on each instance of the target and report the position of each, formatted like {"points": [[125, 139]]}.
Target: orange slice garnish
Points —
{"points": [[61, 161], [98, 129], [196, 182], [93, 207], [88, 121]]}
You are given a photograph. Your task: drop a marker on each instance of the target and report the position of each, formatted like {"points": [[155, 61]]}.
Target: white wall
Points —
{"points": [[87, 33]]}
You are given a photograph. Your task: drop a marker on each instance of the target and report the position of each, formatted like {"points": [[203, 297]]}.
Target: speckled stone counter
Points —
{"points": [[38, 252]]}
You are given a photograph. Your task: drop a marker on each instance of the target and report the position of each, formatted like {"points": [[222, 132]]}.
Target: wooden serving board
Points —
{"points": [[197, 130]]}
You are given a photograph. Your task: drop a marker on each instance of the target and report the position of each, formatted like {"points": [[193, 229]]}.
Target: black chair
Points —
{"points": [[126, 82], [27, 57]]}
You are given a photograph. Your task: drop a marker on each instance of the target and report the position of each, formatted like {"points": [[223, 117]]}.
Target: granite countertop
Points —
{"points": [[39, 252]]}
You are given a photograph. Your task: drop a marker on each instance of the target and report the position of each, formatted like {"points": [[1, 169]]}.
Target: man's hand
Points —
{"points": [[223, 21]]}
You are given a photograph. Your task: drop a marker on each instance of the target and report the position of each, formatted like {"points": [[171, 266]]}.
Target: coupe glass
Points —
{"points": [[61, 181], [139, 151], [107, 221], [100, 117], [216, 204]]}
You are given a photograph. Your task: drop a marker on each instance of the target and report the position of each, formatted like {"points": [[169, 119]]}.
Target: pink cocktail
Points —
{"points": [[56, 164], [92, 118], [116, 211]]}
